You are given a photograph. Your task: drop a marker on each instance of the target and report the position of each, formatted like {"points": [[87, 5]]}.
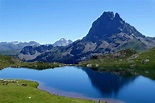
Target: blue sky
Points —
{"points": [[46, 21]]}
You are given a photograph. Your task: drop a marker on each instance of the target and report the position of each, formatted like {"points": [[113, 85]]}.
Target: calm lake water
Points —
{"points": [[86, 83]]}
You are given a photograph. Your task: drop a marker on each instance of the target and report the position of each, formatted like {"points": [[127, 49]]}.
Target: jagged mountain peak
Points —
{"points": [[107, 15], [109, 24], [110, 15], [62, 42], [62, 39], [117, 16]]}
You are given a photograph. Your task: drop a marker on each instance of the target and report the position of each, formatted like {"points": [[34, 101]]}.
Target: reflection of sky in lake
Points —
{"points": [[89, 83]]}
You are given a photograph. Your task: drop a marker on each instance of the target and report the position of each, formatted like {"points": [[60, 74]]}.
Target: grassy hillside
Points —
{"points": [[125, 62], [9, 61], [21, 91], [6, 61]]}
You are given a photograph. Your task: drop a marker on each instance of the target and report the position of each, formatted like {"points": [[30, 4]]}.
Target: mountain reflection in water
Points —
{"points": [[107, 83]]}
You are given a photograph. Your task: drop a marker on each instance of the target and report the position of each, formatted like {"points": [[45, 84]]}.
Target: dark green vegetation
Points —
{"points": [[6, 61], [21, 91], [125, 62], [9, 61], [40, 65]]}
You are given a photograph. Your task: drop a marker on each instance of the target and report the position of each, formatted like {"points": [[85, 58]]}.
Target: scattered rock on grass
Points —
{"points": [[145, 61]]}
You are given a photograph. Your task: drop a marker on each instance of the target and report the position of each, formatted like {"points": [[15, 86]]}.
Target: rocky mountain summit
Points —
{"points": [[109, 24], [109, 33], [62, 42]]}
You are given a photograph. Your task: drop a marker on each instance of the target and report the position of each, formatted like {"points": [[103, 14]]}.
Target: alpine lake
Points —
{"points": [[80, 82]]}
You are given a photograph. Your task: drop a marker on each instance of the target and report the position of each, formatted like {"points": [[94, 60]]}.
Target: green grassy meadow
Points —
{"points": [[14, 92], [126, 62]]}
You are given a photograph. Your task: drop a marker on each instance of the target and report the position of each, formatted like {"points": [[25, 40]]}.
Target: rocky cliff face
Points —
{"points": [[109, 24], [31, 52], [109, 33]]}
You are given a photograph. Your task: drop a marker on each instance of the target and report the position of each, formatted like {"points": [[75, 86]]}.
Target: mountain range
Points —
{"points": [[12, 48], [109, 33]]}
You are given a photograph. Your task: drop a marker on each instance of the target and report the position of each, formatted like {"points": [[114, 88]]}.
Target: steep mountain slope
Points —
{"points": [[31, 52], [12, 48], [108, 25], [109, 33]]}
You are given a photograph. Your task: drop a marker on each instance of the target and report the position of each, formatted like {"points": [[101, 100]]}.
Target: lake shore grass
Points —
{"points": [[9, 61], [125, 63], [23, 91]]}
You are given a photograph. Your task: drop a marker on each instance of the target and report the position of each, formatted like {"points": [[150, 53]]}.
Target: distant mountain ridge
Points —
{"points": [[32, 52], [15, 46], [109, 33]]}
